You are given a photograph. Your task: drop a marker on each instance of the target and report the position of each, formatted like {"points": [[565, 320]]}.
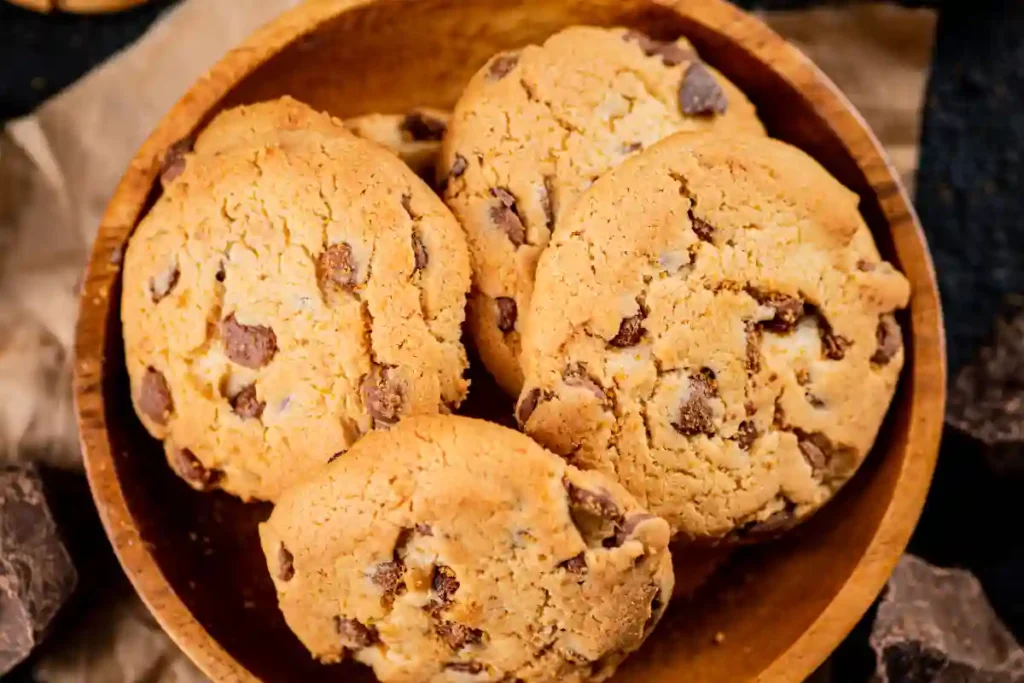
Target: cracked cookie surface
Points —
{"points": [[469, 553], [536, 127], [730, 356], [293, 287], [414, 137]]}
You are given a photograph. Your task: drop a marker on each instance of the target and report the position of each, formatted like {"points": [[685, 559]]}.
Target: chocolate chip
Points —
{"points": [[383, 394], [354, 634], [389, 577], [890, 341], [502, 66], [575, 565], [547, 201], [825, 458], [465, 667], [155, 399], [457, 636], [336, 266], [246, 405], [788, 310], [444, 582], [187, 466], [813, 454], [285, 564], [746, 434], [833, 345], [419, 252], [251, 346], [160, 287], [507, 313], [506, 217], [753, 348], [595, 503], [700, 94], [631, 331], [527, 404], [576, 376], [695, 413], [702, 228], [423, 127], [174, 160], [221, 273], [671, 54]]}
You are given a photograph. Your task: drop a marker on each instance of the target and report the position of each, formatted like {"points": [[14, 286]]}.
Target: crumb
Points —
{"points": [[719, 638]]}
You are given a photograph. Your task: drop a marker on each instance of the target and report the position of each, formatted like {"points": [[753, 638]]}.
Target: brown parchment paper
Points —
{"points": [[58, 167]]}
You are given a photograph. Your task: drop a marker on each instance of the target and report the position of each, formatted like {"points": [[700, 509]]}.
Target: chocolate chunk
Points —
{"points": [[671, 54], [246, 405], [36, 572], [833, 346], [354, 634], [547, 201], [335, 266], [465, 667], [695, 413], [826, 459], [174, 160], [444, 582], [595, 503], [389, 577], [423, 127], [285, 564], [704, 230], [527, 404], [419, 252], [502, 66], [221, 273], [753, 347], [576, 564], [788, 310], [505, 216], [458, 168], [383, 394], [631, 331], [457, 636], [814, 400], [407, 205], [187, 466], [936, 625], [507, 313], [155, 399], [700, 94], [576, 376], [890, 341], [160, 287], [251, 346], [746, 435]]}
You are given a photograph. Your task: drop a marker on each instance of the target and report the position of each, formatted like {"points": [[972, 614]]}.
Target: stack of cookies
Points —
{"points": [[692, 320]]}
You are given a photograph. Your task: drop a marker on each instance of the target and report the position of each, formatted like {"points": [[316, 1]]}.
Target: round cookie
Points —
{"points": [[536, 127], [469, 553], [415, 137], [730, 356], [293, 287]]}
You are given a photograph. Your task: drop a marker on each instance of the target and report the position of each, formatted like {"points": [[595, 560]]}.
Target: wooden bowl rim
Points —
{"points": [[927, 375]]}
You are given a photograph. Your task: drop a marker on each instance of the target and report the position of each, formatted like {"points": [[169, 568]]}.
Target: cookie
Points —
{"points": [[293, 287], [535, 127], [469, 553], [730, 356], [415, 137]]}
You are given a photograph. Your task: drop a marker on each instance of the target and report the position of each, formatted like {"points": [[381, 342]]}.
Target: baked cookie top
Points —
{"points": [[292, 287], [468, 553], [713, 326], [536, 127], [414, 137]]}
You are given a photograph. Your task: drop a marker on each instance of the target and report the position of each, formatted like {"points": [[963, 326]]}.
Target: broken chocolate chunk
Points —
{"points": [[527, 404], [700, 94], [576, 564], [827, 460], [160, 287], [456, 171], [788, 310], [746, 435], [354, 634], [383, 395], [576, 376], [422, 127], [155, 399], [671, 54], [502, 66], [389, 577], [419, 252], [890, 341], [444, 582], [251, 346], [753, 347], [187, 466], [37, 575], [695, 413], [246, 405], [595, 503], [457, 636], [335, 266], [833, 346], [285, 564], [547, 201], [704, 230], [628, 526], [505, 216], [631, 331], [507, 313], [174, 160]]}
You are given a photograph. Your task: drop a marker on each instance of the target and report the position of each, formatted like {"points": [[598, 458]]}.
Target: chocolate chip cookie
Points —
{"points": [[730, 356], [537, 126], [468, 553], [293, 287], [415, 137]]}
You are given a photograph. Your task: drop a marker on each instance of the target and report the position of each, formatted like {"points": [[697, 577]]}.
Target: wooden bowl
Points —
{"points": [[782, 608]]}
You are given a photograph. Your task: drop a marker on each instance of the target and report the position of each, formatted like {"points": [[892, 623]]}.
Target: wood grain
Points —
{"points": [[781, 608]]}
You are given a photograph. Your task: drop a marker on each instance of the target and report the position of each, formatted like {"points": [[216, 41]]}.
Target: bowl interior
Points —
{"points": [[389, 56]]}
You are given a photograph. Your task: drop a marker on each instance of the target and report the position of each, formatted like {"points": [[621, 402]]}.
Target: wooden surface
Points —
{"points": [[781, 608]]}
